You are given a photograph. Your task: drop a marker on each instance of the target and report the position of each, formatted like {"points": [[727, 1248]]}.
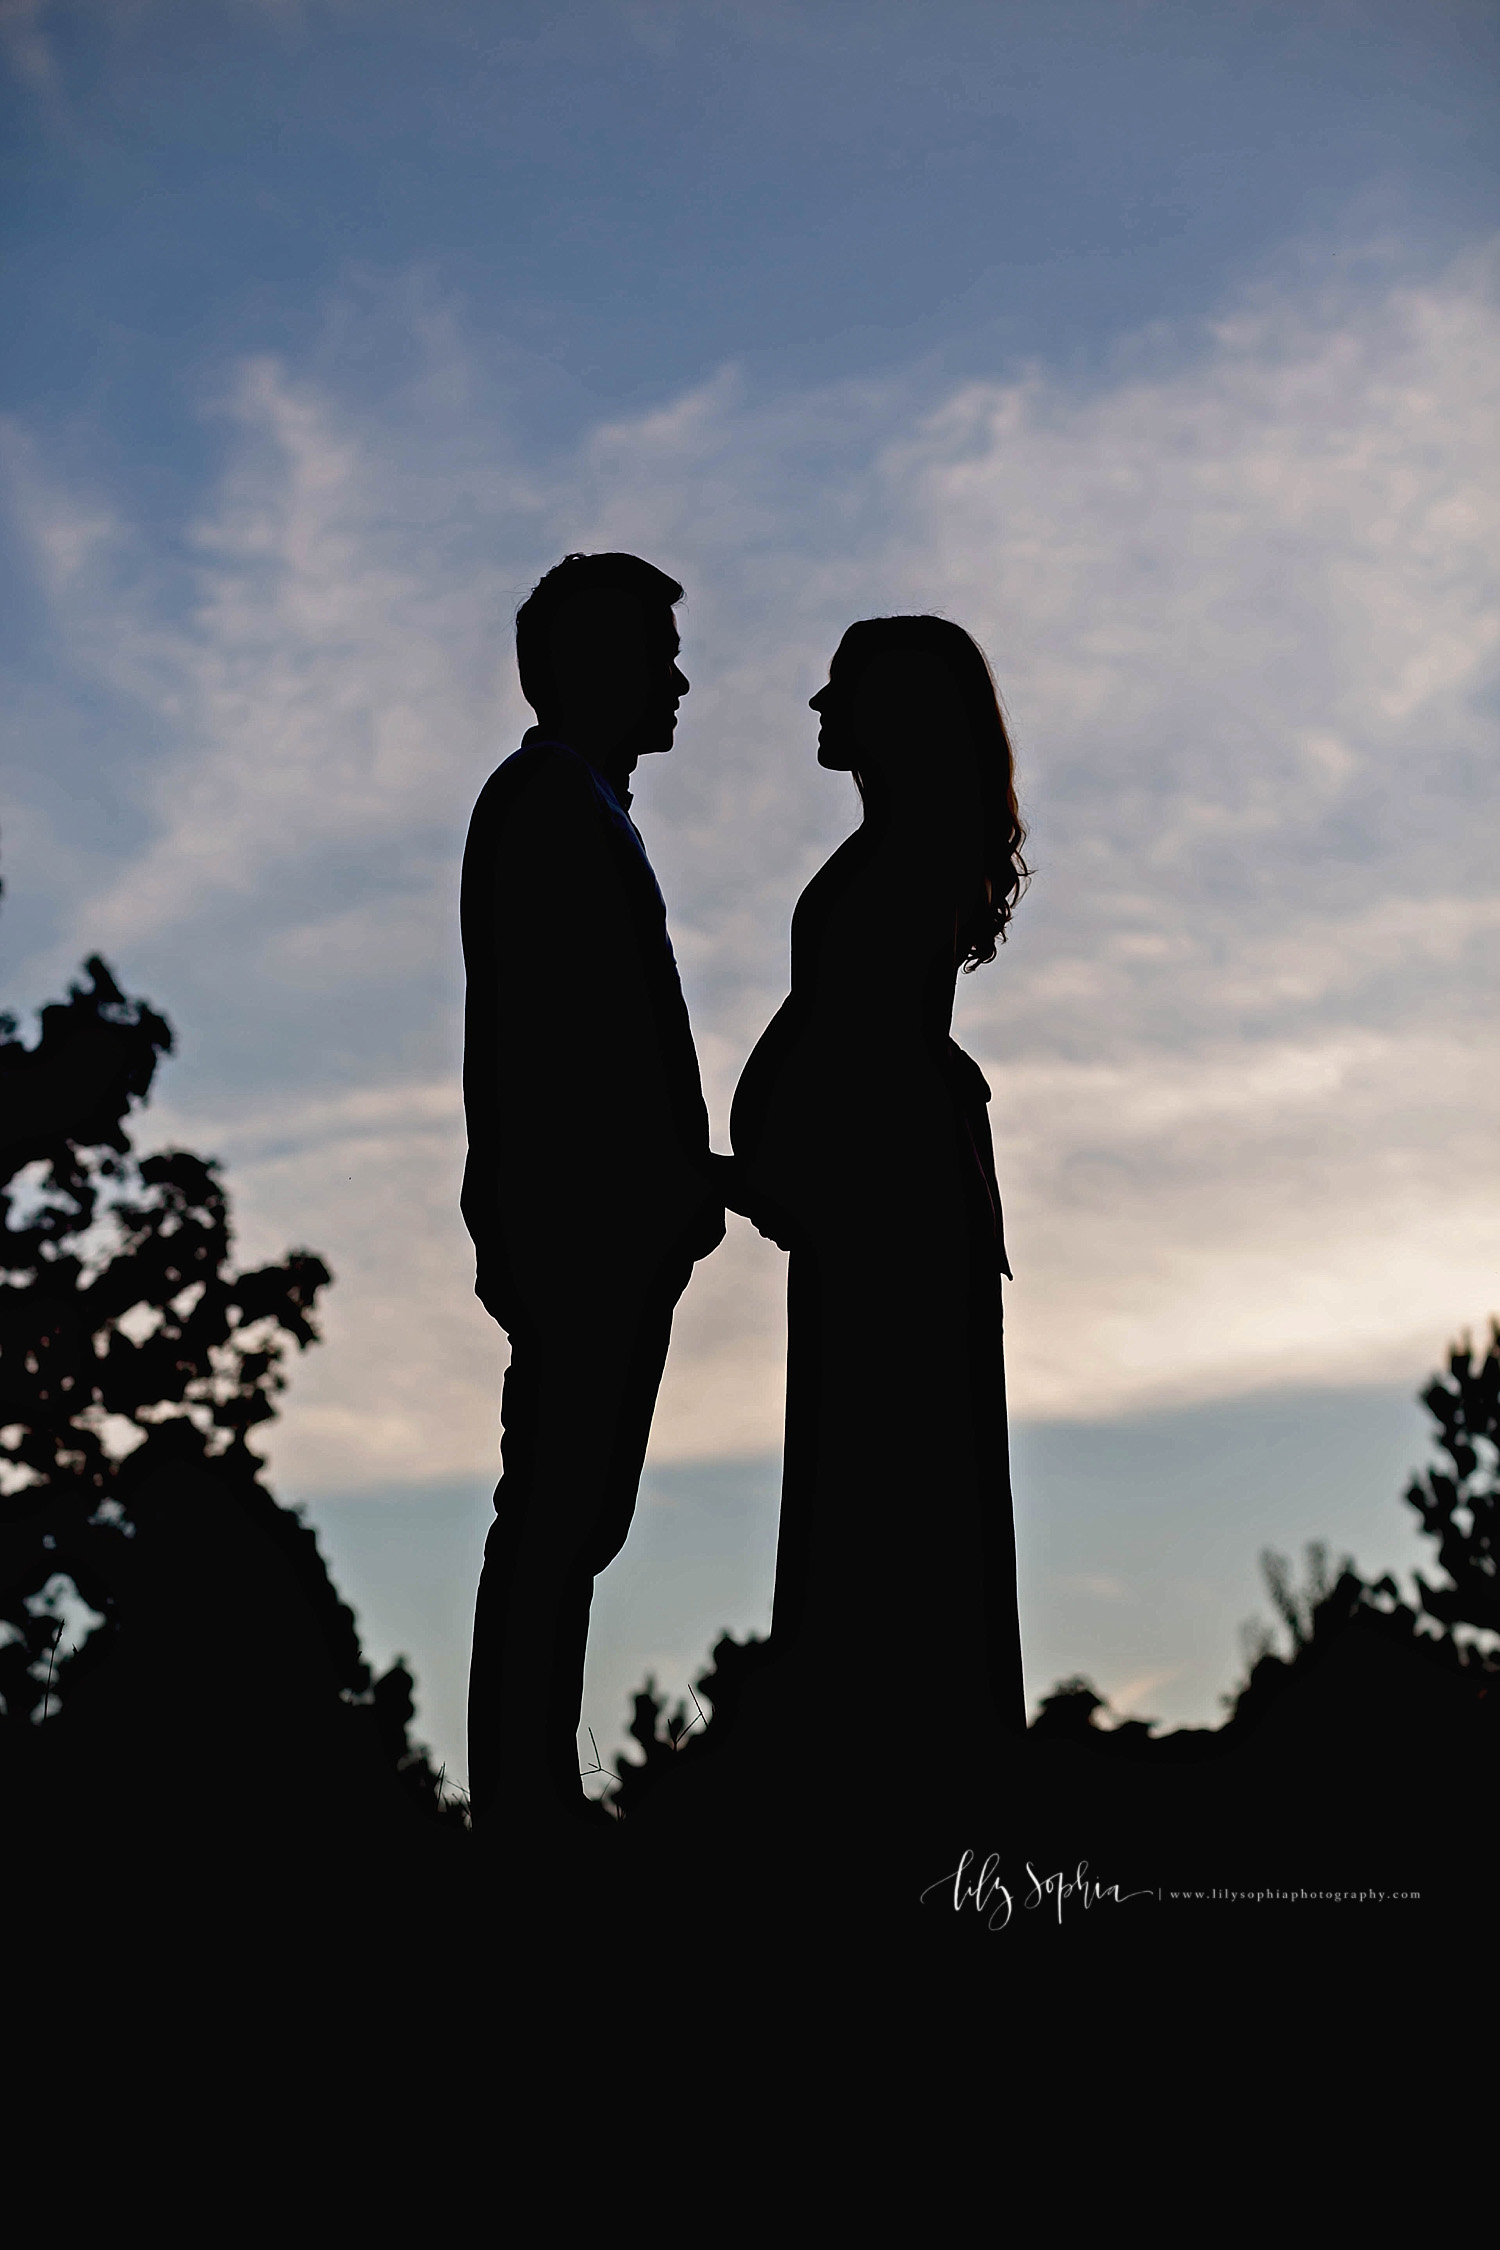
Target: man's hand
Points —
{"points": [[764, 1217]]}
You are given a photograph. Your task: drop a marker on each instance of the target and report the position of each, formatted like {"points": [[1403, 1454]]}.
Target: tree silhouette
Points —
{"points": [[1461, 1510], [1458, 1510], [129, 1345], [662, 1738]]}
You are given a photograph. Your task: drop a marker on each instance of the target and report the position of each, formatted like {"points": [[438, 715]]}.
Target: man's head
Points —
{"points": [[596, 646]]}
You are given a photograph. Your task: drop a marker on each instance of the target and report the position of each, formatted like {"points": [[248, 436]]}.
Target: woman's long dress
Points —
{"points": [[861, 1124]]}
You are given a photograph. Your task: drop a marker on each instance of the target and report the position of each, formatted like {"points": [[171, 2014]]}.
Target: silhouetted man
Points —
{"points": [[590, 1188]]}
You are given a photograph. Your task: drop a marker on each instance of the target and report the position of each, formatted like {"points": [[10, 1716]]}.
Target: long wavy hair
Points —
{"points": [[1006, 873]]}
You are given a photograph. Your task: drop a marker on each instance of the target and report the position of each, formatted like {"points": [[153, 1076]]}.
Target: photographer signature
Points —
{"points": [[990, 1897]]}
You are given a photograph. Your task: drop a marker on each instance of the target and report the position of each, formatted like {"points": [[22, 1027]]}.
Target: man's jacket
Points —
{"points": [[589, 1167]]}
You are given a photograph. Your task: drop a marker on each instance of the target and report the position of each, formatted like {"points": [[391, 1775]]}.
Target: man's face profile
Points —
{"points": [[615, 681]]}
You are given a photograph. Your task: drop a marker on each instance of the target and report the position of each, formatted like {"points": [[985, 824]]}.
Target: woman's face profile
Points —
{"points": [[874, 716]]}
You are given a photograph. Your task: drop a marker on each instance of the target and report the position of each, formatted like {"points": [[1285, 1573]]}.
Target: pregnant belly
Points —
{"points": [[846, 1140]]}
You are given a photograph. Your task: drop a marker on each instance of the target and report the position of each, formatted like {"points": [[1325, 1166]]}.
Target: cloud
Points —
{"points": [[25, 44], [1127, 1699], [1240, 595]]}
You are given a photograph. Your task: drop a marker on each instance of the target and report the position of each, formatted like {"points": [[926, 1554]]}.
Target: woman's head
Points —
{"points": [[896, 683]]}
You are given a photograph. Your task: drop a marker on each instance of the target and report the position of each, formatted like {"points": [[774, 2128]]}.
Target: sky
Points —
{"points": [[1157, 344]]}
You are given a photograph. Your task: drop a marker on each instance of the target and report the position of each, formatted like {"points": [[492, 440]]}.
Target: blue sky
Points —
{"points": [[1155, 343]]}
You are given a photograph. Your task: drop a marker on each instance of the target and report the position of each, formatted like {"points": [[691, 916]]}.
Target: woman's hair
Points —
{"points": [[1005, 871]]}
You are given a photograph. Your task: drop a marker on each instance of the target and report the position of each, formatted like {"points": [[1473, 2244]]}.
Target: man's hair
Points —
{"points": [[574, 575]]}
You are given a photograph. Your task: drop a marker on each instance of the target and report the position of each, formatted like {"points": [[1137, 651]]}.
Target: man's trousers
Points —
{"points": [[576, 1413]]}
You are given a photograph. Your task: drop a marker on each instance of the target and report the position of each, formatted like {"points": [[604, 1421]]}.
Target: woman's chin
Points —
{"points": [[833, 760]]}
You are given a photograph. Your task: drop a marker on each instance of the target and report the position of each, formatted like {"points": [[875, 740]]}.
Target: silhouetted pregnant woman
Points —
{"points": [[862, 1141]]}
